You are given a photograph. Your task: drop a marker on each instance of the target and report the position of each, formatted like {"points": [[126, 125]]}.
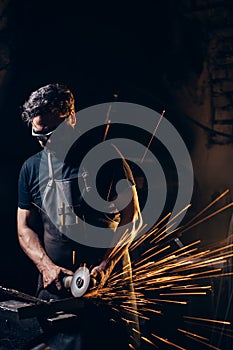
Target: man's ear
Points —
{"points": [[72, 119]]}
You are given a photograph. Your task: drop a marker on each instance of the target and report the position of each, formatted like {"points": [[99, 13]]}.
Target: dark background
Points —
{"points": [[96, 51]]}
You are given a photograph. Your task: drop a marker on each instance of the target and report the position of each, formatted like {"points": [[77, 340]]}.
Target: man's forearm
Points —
{"points": [[32, 246]]}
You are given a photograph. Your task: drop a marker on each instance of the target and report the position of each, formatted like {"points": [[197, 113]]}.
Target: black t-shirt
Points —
{"points": [[33, 179], [34, 176]]}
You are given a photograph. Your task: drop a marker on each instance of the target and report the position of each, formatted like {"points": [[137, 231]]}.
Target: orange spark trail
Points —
{"points": [[163, 275], [207, 320], [207, 207], [207, 217], [192, 334], [106, 129], [168, 342], [152, 137]]}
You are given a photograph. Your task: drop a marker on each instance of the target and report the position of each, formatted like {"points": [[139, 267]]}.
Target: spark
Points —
{"points": [[140, 240], [165, 228], [38, 207], [148, 341], [202, 342], [200, 339], [152, 137], [127, 321], [209, 327], [187, 293], [167, 342], [152, 255], [171, 301], [207, 320], [136, 330], [192, 334], [159, 312], [207, 217], [73, 257], [207, 207], [187, 287], [163, 275], [106, 129]]}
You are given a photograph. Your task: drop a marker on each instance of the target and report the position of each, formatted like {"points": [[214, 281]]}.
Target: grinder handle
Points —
{"points": [[66, 281]]}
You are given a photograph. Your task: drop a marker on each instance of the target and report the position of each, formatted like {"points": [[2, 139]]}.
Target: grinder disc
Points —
{"points": [[80, 281]]}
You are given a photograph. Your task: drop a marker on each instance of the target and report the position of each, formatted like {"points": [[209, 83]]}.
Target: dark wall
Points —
{"points": [[94, 50], [139, 51]]}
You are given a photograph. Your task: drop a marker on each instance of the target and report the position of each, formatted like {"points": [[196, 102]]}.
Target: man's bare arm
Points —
{"points": [[30, 243]]}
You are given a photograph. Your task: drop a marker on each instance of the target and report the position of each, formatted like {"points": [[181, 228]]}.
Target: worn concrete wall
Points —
{"points": [[206, 97]]}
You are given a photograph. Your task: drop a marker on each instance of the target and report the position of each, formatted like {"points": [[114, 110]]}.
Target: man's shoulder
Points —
{"points": [[34, 158], [33, 161]]}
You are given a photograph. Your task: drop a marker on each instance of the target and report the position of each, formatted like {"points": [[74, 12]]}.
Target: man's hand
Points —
{"points": [[51, 273], [102, 272]]}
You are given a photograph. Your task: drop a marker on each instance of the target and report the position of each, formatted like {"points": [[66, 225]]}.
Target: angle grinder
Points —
{"points": [[80, 282]]}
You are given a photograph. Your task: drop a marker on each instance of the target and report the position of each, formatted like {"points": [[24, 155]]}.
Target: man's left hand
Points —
{"points": [[101, 273]]}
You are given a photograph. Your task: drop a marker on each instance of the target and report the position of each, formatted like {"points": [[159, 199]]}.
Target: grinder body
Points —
{"points": [[80, 282]]}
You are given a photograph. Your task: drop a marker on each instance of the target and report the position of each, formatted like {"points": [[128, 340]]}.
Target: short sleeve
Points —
{"points": [[24, 196]]}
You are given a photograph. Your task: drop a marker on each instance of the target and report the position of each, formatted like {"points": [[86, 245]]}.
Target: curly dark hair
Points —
{"points": [[56, 99]]}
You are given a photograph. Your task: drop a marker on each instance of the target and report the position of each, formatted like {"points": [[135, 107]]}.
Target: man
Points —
{"points": [[54, 253]]}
